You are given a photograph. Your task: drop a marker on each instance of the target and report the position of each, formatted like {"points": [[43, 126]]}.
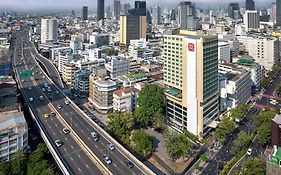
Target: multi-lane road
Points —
{"points": [[80, 153], [74, 158]]}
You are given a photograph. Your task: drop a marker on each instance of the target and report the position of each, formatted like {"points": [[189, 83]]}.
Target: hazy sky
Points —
{"points": [[76, 4]]}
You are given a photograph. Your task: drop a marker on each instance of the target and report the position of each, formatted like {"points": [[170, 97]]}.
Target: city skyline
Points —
{"points": [[75, 4]]}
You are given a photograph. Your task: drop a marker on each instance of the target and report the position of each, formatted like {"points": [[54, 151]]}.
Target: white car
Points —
{"points": [[59, 106], [43, 89], [107, 160], [95, 136], [111, 146], [58, 143], [49, 89], [249, 152], [66, 102], [29, 88], [57, 92], [31, 99], [65, 131], [41, 97]]}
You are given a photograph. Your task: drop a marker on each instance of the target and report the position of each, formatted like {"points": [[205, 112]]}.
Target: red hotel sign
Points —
{"points": [[191, 47]]}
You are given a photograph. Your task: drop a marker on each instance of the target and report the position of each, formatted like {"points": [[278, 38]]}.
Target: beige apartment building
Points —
{"points": [[191, 80], [68, 74]]}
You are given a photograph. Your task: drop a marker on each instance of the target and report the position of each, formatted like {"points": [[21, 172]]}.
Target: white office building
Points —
{"points": [[49, 30], [235, 86], [264, 50], [64, 57], [156, 15], [13, 134], [224, 51], [118, 67], [251, 20]]}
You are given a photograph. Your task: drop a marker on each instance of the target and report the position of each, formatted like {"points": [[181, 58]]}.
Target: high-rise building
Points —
{"points": [[234, 10], [250, 5], [273, 12], [73, 13], [278, 13], [191, 80], [132, 27], [116, 9], [186, 15], [49, 30], [156, 15], [251, 20], [173, 15], [141, 7], [85, 13], [100, 9], [126, 8]]}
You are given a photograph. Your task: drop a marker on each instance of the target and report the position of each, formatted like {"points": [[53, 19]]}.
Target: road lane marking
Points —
{"points": [[65, 138], [115, 165], [79, 156], [96, 146], [71, 158], [79, 169], [87, 166], [71, 146], [49, 126], [89, 138], [64, 149]]}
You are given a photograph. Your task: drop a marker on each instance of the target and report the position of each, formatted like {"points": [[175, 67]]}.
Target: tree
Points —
{"points": [[241, 142], [225, 127], [142, 143], [158, 122], [120, 124], [151, 103], [253, 166], [239, 113], [18, 163], [264, 133], [5, 168], [177, 145]]}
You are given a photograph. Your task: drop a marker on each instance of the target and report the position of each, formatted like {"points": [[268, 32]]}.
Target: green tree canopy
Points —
{"points": [[240, 143], [18, 163], [151, 103], [253, 166], [142, 143], [225, 127], [177, 145]]}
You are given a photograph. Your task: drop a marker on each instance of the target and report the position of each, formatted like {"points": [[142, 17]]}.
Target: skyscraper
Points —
{"points": [[100, 9], [173, 14], [250, 5], [126, 8], [191, 80], [85, 13], [273, 12], [116, 9], [140, 6], [49, 30], [278, 13], [186, 17], [233, 10], [156, 15], [132, 27], [251, 20]]}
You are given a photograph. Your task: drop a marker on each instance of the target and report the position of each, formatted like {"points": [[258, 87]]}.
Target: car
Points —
{"points": [[95, 136], [129, 164], [41, 97], [111, 146], [43, 89], [49, 89], [22, 81], [57, 92], [29, 88], [107, 160], [59, 106], [46, 116], [53, 114], [46, 85], [95, 120], [58, 143], [249, 152], [65, 130], [31, 99], [66, 102]]}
